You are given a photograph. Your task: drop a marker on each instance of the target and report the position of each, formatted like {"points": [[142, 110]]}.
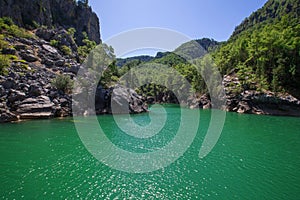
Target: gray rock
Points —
{"points": [[150, 99], [14, 75], [73, 69], [125, 100], [63, 101], [25, 41], [48, 62], [60, 63], [65, 39], [65, 13], [10, 51], [244, 107], [50, 49], [2, 91], [16, 96], [29, 57], [117, 100], [9, 83], [35, 90], [199, 102], [46, 34], [32, 108], [36, 115], [19, 47], [7, 116]]}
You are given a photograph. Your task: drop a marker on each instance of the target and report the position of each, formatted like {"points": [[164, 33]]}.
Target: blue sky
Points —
{"points": [[195, 18]]}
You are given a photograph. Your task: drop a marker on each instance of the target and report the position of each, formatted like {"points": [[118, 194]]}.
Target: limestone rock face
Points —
{"points": [[119, 100], [64, 13], [40, 107], [126, 100]]}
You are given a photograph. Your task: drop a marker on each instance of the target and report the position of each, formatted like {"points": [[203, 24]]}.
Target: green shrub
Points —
{"points": [[84, 51], [63, 82], [9, 28], [4, 64], [8, 21], [71, 32], [54, 43], [66, 50], [3, 43], [35, 24]]}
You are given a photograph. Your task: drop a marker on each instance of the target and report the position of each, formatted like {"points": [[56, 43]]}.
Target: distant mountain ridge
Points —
{"points": [[196, 48], [192, 49]]}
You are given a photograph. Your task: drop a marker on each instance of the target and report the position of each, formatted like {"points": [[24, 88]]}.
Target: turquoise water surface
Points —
{"points": [[256, 157]]}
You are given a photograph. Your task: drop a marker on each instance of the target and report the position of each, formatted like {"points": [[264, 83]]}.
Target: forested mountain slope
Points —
{"points": [[260, 62], [273, 9], [264, 51]]}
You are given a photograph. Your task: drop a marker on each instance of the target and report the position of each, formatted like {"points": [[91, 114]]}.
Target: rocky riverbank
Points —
{"points": [[27, 90], [250, 101], [262, 103]]}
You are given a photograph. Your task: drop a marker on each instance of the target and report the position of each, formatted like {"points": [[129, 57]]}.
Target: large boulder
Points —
{"points": [[50, 49], [32, 108], [126, 100], [119, 100], [35, 90], [46, 34]]}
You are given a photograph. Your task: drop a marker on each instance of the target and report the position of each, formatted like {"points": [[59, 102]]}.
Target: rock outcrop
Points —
{"points": [[27, 92], [115, 100], [57, 13], [39, 107], [254, 102], [202, 102]]}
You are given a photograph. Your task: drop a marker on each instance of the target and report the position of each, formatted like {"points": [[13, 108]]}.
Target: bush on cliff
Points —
{"points": [[4, 64], [63, 83], [84, 51], [8, 27]]}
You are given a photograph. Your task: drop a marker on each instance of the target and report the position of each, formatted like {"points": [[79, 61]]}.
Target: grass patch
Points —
{"points": [[7, 27], [4, 64]]}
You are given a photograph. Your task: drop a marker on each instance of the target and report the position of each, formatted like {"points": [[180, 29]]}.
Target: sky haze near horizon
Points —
{"points": [[195, 18]]}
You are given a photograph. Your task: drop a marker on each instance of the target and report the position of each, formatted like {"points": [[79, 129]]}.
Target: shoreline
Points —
{"points": [[275, 114]]}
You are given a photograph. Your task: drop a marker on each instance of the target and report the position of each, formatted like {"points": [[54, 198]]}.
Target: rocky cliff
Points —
{"points": [[57, 13], [37, 69]]}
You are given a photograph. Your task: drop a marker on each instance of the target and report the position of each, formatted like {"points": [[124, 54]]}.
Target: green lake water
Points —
{"points": [[256, 157]]}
